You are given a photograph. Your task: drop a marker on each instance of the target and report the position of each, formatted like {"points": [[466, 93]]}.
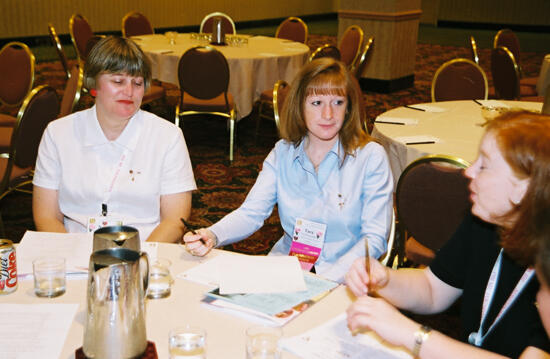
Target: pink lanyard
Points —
{"points": [[109, 191]]}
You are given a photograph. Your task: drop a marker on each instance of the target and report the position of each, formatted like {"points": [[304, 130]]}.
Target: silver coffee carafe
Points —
{"points": [[115, 323], [218, 33], [116, 237]]}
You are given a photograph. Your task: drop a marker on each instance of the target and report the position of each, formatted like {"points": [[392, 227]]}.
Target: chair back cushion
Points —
{"points": [[508, 39], [16, 73], [39, 108], [325, 51], [81, 32], [228, 26], [203, 72], [292, 28], [459, 79], [71, 95], [59, 49], [505, 74], [135, 24], [431, 200], [350, 45]]}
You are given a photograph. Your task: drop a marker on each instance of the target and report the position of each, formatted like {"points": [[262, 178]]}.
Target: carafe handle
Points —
{"points": [[144, 257]]}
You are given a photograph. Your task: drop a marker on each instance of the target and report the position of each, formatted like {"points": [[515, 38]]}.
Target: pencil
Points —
{"points": [[192, 229], [414, 108], [420, 143]]}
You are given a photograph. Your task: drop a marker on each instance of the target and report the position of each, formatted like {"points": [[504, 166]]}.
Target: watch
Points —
{"points": [[420, 336]]}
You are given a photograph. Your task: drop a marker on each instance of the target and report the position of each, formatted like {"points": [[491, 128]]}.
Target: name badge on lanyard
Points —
{"points": [[307, 242], [97, 222]]}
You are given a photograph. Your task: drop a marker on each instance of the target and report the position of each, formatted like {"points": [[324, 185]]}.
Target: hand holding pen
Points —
{"points": [[198, 241], [362, 281]]}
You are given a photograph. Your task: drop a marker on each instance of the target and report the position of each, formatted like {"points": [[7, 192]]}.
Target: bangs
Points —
{"points": [[327, 84], [124, 62]]}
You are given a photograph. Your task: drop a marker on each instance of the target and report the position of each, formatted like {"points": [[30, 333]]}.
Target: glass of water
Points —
{"points": [[187, 342], [160, 280], [49, 276], [263, 342]]}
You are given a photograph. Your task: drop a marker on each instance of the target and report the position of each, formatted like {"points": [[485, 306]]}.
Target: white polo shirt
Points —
{"points": [[76, 159]]}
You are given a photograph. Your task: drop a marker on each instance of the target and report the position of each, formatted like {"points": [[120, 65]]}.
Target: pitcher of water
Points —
{"points": [[115, 323], [218, 33], [116, 237]]}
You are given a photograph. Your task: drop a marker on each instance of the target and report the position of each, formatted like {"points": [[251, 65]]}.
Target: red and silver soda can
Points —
{"points": [[8, 267]]}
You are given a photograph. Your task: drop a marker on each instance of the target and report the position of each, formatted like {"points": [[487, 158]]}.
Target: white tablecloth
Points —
{"points": [[456, 128], [254, 67]]}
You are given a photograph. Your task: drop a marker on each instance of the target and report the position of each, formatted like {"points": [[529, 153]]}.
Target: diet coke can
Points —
{"points": [[8, 267]]}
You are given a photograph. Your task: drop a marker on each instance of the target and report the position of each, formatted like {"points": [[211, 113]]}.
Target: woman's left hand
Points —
{"points": [[383, 318]]}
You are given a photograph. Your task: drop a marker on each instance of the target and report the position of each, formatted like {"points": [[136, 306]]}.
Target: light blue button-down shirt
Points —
{"points": [[351, 195]]}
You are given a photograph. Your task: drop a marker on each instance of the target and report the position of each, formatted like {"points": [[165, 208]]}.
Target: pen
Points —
{"points": [[420, 143], [367, 261], [414, 108], [191, 228], [479, 103], [390, 122]]}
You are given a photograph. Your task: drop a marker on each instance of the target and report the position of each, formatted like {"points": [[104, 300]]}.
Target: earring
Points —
{"points": [[93, 92]]}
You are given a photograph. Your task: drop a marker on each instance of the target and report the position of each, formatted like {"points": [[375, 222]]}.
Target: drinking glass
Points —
{"points": [[263, 342], [49, 276], [160, 280], [187, 342], [171, 36]]}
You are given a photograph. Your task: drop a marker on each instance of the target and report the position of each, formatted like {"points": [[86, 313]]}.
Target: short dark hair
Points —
{"points": [[113, 54], [324, 76]]}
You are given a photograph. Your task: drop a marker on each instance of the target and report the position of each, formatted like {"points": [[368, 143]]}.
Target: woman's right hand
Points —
{"points": [[200, 242], [358, 280]]}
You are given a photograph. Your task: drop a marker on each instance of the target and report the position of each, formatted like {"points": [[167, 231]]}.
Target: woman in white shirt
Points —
{"points": [[114, 163]]}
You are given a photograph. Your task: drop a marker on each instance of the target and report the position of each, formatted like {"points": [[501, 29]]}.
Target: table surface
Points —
{"points": [[457, 128], [225, 332], [253, 67]]}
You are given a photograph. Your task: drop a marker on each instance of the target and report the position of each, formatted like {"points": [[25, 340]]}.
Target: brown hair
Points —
{"points": [[543, 256], [324, 76], [524, 139], [112, 55]]}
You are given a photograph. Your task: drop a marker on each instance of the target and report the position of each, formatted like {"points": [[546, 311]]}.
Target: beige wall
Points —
{"points": [[19, 18]]}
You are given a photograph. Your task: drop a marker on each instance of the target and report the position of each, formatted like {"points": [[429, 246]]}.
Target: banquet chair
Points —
{"points": [[350, 45], [505, 73], [473, 50], [72, 92], [273, 100], [507, 38], [459, 79], [292, 28], [81, 32], [59, 49], [16, 77], [390, 258], [16, 168], [359, 66], [325, 50], [135, 23], [203, 75], [228, 25], [432, 198]]}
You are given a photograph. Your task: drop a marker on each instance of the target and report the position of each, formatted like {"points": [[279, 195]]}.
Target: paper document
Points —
{"points": [[417, 140], [493, 103], [31, 331], [74, 247], [396, 120], [333, 340], [208, 272]]}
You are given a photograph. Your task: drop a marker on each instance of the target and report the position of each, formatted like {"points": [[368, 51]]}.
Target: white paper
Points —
{"points": [[74, 247], [31, 331], [418, 139], [333, 340], [396, 120], [208, 272], [151, 248], [429, 108], [261, 274], [493, 103]]}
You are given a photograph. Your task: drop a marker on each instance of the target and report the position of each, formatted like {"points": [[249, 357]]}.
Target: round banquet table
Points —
{"points": [[453, 125], [254, 67]]}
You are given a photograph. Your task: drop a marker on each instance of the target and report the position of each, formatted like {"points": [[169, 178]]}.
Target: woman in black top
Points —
{"points": [[487, 262]]}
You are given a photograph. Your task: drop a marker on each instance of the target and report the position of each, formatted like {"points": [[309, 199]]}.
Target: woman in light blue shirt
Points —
{"points": [[326, 169]]}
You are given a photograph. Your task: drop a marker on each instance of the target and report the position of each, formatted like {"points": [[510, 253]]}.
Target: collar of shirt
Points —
{"points": [[336, 152], [92, 134]]}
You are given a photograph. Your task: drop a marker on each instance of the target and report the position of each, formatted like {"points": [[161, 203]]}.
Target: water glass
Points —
{"points": [[187, 342], [263, 342], [171, 36], [49, 276], [160, 280]]}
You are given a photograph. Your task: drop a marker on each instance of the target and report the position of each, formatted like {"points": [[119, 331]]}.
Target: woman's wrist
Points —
{"points": [[421, 335]]}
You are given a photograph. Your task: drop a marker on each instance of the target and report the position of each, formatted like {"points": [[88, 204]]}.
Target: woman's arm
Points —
{"points": [[45, 210], [172, 208]]}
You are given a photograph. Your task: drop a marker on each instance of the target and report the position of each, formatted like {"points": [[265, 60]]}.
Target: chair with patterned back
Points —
{"points": [[228, 25], [359, 66], [459, 79], [473, 50], [16, 77], [59, 49], [203, 75], [81, 32], [72, 92], [39, 108], [135, 23], [506, 78], [325, 50], [432, 198], [292, 28], [350, 45]]}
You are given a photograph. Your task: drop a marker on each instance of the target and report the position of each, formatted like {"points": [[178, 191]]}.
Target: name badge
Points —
{"points": [[95, 223], [307, 241]]}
